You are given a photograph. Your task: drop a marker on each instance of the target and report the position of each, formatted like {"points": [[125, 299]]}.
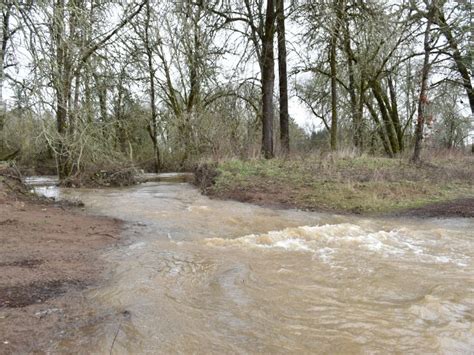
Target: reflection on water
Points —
{"points": [[205, 276], [44, 185]]}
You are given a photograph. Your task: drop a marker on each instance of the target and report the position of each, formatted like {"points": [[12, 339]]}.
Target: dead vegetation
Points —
{"points": [[116, 176], [205, 175]]}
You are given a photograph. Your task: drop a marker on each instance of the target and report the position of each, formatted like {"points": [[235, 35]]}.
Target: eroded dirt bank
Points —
{"points": [[456, 208], [49, 254], [359, 186]]}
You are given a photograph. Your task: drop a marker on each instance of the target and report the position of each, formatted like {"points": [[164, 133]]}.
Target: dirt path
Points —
{"points": [[48, 255]]}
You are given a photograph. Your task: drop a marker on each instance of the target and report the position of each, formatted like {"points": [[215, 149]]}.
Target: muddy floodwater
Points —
{"points": [[204, 276]]}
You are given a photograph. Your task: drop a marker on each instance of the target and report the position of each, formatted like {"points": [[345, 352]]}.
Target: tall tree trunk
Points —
{"points": [[63, 89], [5, 13], [333, 94], [120, 139], [394, 113], [88, 98], [194, 82], [153, 127], [357, 107], [359, 134], [102, 95], [423, 95], [268, 80], [283, 79], [74, 111], [333, 65], [356, 124], [193, 99]]}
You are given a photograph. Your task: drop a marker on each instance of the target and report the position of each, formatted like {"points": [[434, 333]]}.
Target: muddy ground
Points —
{"points": [[459, 208], [49, 255]]}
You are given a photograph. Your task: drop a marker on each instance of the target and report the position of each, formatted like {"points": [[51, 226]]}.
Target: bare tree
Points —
{"points": [[67, 66]]}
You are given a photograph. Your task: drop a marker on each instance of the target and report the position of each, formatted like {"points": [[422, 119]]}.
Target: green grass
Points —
{"points": [[355, 184]]}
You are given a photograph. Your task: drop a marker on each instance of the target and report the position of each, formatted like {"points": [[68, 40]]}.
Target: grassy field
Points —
{"points": [[345, 184]]}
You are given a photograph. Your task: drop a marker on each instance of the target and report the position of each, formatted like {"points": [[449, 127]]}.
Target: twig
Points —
{"points": [[104, 234], [115, 337]]}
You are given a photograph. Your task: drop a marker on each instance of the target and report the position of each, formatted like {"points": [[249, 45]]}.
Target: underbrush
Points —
{"points": [[97, 176], [10, 181], [345, 182]]}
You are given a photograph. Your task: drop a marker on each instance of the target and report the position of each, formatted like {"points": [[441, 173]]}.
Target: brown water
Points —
{"points": [[204, 276]]}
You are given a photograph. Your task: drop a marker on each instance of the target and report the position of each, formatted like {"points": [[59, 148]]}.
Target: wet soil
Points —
{"points": [[463, 207], [272, 198], [49, 255]]}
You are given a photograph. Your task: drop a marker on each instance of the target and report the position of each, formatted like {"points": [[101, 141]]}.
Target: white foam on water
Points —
{"points": [[311, 238], [292, 244], [324, 254], [326, 240], [197, 208], [442, 259], [138, 245]]}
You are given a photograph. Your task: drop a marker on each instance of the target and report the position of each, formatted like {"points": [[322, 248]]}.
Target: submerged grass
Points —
{"points": [[353, 184]]}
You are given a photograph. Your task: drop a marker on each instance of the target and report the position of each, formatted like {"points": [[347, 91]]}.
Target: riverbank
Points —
{"points": [[49, 256], [441, 187]]}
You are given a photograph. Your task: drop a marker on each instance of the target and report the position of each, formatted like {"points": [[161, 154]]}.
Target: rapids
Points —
{"points": [[204, 276]]}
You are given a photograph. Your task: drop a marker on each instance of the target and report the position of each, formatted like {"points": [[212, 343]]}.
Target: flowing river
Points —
{"points": [[206, 276]]}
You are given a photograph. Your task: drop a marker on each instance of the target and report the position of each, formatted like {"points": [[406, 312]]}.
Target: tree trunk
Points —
{"points": [[423, 98], [63, 90], [394, 114], [356, 106], [102, 94], [5, 37], [353, 101], [88, 99], [283, 79], [268, 80], [359, 133], [333, 64], [380, 131], [387, 116], [153, 127]]}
